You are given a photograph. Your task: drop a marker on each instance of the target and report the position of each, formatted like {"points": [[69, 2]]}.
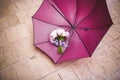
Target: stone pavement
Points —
{"points": [[20, 60]]}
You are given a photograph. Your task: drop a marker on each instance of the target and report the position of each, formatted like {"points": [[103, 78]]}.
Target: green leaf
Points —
{"points": [[62, 38], [60, 49]]}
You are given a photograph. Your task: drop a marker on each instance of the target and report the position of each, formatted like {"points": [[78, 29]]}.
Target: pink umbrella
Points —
{"points": [[87, 21]]}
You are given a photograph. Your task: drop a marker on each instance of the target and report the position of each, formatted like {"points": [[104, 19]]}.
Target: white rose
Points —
{"points": [[60, 31], [55, 33], [67, 33]]}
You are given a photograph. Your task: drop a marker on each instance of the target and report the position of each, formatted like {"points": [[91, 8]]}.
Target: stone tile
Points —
{"points": [[116, 20], [11, 34], [1, 52], [114, 57], [116, 45], [117, 27], [53, 76], [38, 2], [25, 48], [9, 73], [41, 65], [5, 3], [23, 70], [2, 60], [2, 63], [106, 40], [22, 16], [29, 3], [29, 44], [10, 54], [31, 12], [97, 69], [114, 76], [3, 23], [22, 31], [106, 61], [114, 13], [113, 33], [117, 5], [13, 1], [116, 10], [13, 9], [13, 20], [111, 1], [82, 71], [16, 33], [21, 6], [1, 12], [0, 77], [29, 26], [114, 48], [67, 74], [5, 12], [3, 39], [110, 12], [0, 5]]}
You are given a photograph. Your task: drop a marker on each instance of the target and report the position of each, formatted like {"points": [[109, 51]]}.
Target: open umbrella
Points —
{"points": [[86, 22]]}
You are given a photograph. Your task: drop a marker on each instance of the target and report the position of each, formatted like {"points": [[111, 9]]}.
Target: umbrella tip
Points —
{"points": [[73, 27], [86, 29]]}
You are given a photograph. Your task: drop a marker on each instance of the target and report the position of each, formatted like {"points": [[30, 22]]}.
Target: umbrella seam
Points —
{"points": [[107, 25], [50, 23], [76, 12], [41, 42], [33, 32], [45, 52], [83, 43], [61, 15], [89, 13]]}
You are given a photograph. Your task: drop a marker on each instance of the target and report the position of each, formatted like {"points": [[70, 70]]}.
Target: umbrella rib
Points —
{"points": [[76, 12], [50, 23], [70, 36], [95, 28], [89, 13], [41, 42], [61, 15], [83, 43]]}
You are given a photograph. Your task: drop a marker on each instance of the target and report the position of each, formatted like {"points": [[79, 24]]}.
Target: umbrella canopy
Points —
{"points": [[87, 21]]}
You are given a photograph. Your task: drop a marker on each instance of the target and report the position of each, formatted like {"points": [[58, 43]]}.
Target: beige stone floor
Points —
{"points": [[20, 60]]}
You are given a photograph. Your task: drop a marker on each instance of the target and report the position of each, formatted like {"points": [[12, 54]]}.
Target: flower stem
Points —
{"points": [[60, 50]]}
